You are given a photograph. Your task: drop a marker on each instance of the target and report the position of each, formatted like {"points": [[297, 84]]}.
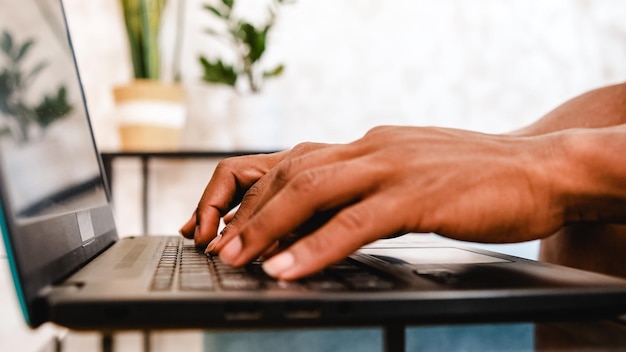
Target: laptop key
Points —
{"points": [[163, 277]]}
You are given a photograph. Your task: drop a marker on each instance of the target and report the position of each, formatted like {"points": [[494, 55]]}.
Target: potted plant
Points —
{"points": [[253, 114], [151, 111], [248, 43]]}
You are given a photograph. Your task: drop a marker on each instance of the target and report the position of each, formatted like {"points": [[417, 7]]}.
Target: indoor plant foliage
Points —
{"points": [[24, 119], [248, 44], [143, 22]]}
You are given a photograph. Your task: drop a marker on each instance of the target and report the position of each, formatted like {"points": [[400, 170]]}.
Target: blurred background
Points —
{"points": [[346, 66], [267, 74]]}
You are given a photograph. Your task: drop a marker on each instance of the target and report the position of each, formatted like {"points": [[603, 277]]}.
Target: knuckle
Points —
{"points": [[237, 164], [226, 166], [306, 182], [286, 171], [378, 129], [305, 147]]}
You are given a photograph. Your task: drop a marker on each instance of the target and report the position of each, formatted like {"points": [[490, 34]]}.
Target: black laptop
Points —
{"points": [[70, 267]]}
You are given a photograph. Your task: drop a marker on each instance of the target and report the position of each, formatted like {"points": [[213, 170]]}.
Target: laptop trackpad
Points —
{"points": [[434, 255]]}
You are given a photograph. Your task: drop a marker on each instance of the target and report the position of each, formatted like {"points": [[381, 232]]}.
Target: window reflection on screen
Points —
{"points": [[48, 162]]}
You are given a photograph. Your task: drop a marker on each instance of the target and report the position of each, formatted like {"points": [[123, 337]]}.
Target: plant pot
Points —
{"points": [[151, 115], [257, 123], [209, 116]]}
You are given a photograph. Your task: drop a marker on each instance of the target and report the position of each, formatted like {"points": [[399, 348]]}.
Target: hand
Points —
{"points": [[394, 180], [233, 178]]}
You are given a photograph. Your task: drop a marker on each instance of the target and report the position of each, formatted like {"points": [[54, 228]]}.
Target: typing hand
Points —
{"points": [[394, 180], [235, 180]]}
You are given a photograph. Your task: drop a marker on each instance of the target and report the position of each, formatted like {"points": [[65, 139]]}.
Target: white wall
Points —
{"points": [[488, 65]]}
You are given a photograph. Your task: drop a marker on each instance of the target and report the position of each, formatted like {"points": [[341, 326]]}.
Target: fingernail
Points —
{"points": [[231, 250], [279, 264], [213, 244]]}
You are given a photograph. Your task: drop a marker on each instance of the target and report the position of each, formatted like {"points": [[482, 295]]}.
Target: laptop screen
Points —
{"points": [[54, 199]]}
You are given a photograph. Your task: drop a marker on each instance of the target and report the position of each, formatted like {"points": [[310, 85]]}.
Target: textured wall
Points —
{"points": [[488, 65]]}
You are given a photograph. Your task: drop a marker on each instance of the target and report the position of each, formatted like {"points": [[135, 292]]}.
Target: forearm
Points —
{"points": [[598, 108]]}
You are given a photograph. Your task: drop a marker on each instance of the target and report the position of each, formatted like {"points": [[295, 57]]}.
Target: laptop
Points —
{"points": [[70, 267]]}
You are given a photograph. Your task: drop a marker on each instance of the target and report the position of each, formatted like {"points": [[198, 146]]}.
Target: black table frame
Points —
{"points": [[145, 157]]}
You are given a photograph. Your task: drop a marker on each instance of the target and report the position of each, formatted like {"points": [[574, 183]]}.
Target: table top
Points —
{"points": [[183, 153]]}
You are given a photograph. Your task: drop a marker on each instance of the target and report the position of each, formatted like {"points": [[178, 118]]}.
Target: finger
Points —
{"points": [[229, 217], [239, 217], [231, 178], [323, 188], [207, 226], [352, 228], [189, 227], [252, 197], [284, 172]]}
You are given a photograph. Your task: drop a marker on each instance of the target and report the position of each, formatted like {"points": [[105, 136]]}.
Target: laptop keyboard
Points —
{"points": [[196, 271]]}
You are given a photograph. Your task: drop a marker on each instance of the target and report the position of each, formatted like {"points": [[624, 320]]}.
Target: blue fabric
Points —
{"points": [[313, 340], [482, 337]]}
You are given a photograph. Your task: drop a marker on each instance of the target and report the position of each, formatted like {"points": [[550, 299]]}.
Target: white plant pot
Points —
{"points": [[151, 115], [257, 123], [209, 115]]}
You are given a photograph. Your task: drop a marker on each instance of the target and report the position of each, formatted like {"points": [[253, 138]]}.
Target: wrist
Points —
{"points": [[589, 174]]}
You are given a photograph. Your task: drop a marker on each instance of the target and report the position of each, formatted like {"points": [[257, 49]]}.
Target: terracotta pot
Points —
{"points": [[151, 115]]}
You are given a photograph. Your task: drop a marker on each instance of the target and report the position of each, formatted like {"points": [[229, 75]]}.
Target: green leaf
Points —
{"points": [[215, 11], [6, 91], [218, 72], [6, 43], [253, 39], [229, 3], [24, 50], [277, 71], [53, 108]]}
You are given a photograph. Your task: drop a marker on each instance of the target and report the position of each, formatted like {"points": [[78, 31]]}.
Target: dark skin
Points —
{"points": [[565, 170], [594, 246]]}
